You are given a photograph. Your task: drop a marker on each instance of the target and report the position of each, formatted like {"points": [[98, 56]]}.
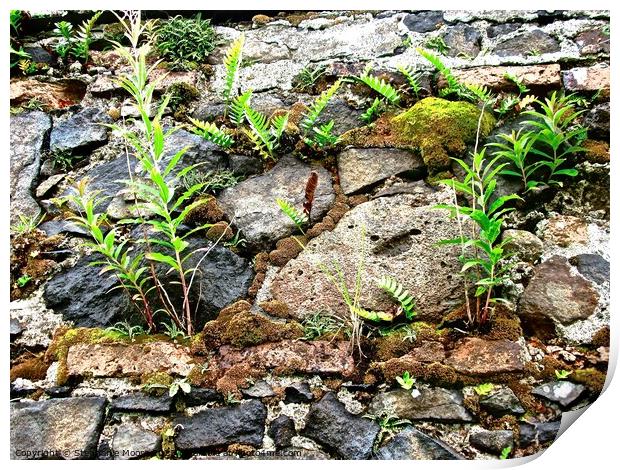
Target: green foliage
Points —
{"points": [[26, 225], [64, 160], [323, 136], [27, 67], [482, 255], [388, 421], [413, 78], [398, 293], [373, 111], [75, 44], [23, 281], [173, 331], [16, 21], [300, 219], [179, 385], [518, 82], [185, 42], [562, 374], [307, 78], [126, 330], [18, 56], [264, 135], [237, 107], [515, 148], [505, 453], [232, 62], [437, 43], [236, 241], [231, 399], [209, 131], [319, 324], [387, 91], [406, 381], [211, 181], [484, 389], [311, 118]]}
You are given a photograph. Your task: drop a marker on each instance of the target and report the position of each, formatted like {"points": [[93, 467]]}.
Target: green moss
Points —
{"points": [[181, 96], [248, 329], [592, 378]]}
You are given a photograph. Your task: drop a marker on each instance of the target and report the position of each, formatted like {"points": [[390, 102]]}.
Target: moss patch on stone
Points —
{"points": [[32, 368], [435, 127]]}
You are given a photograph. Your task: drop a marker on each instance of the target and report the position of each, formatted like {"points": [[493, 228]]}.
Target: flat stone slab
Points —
{"points": [[476, 356], [561, 391], [593, 78], [314, 357], [59, 428], [117, 360], [433, 403], [413, 444], [132, 442], [360, 168], [532, 76], [142, 402]]}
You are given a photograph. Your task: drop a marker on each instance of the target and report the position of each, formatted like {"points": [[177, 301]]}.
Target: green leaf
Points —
{"points": [[161, 258]]}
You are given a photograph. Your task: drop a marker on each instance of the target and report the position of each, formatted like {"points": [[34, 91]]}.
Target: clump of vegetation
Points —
{"points": [[313, 134], [181, 96], [75, 43], [126, 330], [484, 389], [185, 42], [319, 324], [413, 78], [437, 43], [64, 160], [400, 294], [305, 81], [562, 374], [26, 225], [211, 181], [406, 382]]}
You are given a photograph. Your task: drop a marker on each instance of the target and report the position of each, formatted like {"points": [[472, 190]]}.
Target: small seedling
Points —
{"points": [[562, 374], [173, 331], [505, 453], [179, 384], [484, 389], [127, 330], [406, 381], [23, 280]]}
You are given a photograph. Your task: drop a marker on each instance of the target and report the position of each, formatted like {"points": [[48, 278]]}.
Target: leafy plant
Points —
{"points": [[127, 330], [16, 20], [265, 135], [236, 241], [319, 324], [400, 294], [18, 56], [179, 385], [26, 224], [173, 331], [484, 389], [185, 42], [311, 118], [300, 219], [437, 43], [23, 280], [413, 78], [64, 160], [211, 181], [387, 91], [323, 136], [231, 399], [516, 148], [505, 453], [27, 67], [237, 107], [388, 421], [75, 43], [307, 78], [518, 82], [209, 131], [232, 62], [406, 381], [562, 374], [373, 111]]}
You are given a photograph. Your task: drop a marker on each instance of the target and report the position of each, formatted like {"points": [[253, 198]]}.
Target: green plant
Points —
{"points": [[23, 281], [237, 107], [173, 331], [505, 453], [482, 255], [236, 241], [16, 20], [484, 389], [27, 67], [311, 118], [437, 43], [264, 133], [179, 385], [127, 330], [413, 78], [562, 374], [373, 111], [516, 149], [185, 42], [18, 56], [26, 224], [398, 293], [64, 160], [323, 136], [388, 421], [75, 43], [209, 131], [232, 62], [306, 79], [518, 82], [300, 219], [387, 91], [211, 181], [231, 399], [319, 324], [406, 381]]}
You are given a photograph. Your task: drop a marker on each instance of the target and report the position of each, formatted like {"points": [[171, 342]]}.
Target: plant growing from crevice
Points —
{"points": [[388, 421], [209, 131], [312, 134], [437, 43], [232, 62], [125, 329], [484, 389], [185, 42], [562, 374], [319, 324], [172, 331], [26, 224], [373, 111], [505, 453], [72, 43], [23, 280], [405, 381], [413, 78], [211, 181], [306, 79], [380, 86], [264, 133], [396, 290]]}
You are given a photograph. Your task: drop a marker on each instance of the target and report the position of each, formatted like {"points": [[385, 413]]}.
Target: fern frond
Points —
{"points": [[372, 112], [259, 132], [232, 61], [380, 86], [86, 28], [412, 76], [453, 83], [259, 145], [210, 132], [398, 293], [299, 218], [318, 106], [237, 107], [481, 92], [278, 126], [371, 314]]}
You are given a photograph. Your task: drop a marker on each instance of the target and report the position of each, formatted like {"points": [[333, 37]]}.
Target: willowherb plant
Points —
{"points": [[515, 148]]}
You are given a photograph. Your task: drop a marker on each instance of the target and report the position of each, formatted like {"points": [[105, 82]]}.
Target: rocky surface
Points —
{"points": [[82, 131], [132, 442], [500, 401], [492, 441], [413, 444], [476, 356], [563, 392]]}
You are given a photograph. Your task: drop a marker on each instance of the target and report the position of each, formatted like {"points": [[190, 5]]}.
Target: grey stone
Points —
{"points": [[360, 168], [491, 441], [396, 232], [64, 428], [433, 403], [199, 151], [282, 431], [538, 433], [15, 327], [413, 444], [260, 389], [201, 396], [331, 425], [243, 424], [298, 393], [142, 402], [130, 441], [525, 245], [59, 391], [424, 21], [592, 266], [245, 165], [597, 121], [344, 116], [252, 206], [555, 295], [27, 137], [83, 130], [463, 40], [535, 41], [48, 185], [54, 227], [501, 29], [501, 401], [560, 391]]}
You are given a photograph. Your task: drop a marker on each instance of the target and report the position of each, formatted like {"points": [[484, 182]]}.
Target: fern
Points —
{"points": [[259, 132], [318, 106], [237, 107], [453, 83], [380, 86], [210, 132], [85, 31], [323, 136], [371, 314], [232, 61], [398, 292], [373, 111], [480, 92], [278, 126], [299, 218], [412, 77]]}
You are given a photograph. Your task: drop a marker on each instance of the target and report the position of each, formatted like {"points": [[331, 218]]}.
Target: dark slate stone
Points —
{"points": [[282, 430], [298, 393], [242, 424], [330, 424], [200, 396], [597, 121], [530, 41], [245, 165], [412, 444], [21, 391], [69, 425], [259, 389], [491, 441], [132, 442], [81, 131], [501, 401], [59, 391], [55, 227], [142, 402], [538, 432], [199, 150], [463, 40], [57, 255], [560, 391], [593, 267], [38, 54], [501, 29], [424, 21]]}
